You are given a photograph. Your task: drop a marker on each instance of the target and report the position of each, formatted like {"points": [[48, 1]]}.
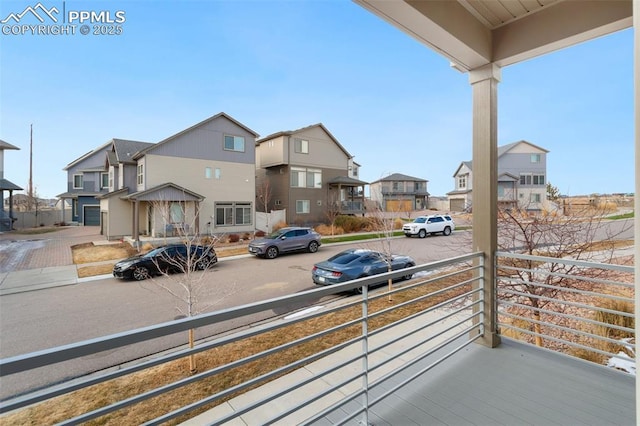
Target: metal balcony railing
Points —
{"points": [[582, 309], [371, 341]]}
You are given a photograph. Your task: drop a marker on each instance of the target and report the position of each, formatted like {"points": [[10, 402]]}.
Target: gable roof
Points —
{"points": [[203, 122], [7, 145], [125, 149], [501, 151], [400, 177], [302, 129], [88, 154], [165, 192]]}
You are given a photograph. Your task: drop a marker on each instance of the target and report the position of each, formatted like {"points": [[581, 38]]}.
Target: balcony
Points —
{"points": [[411, 355]]}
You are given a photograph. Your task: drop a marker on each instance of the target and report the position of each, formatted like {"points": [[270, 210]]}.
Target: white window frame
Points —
{"points": [[104, 180], [230, 211], [208, 173], [301, 146], [462, 182], [303, 207], [237, 143], [140, 174], [80, 178], [538, 180], [535, 197], [536, 158]]}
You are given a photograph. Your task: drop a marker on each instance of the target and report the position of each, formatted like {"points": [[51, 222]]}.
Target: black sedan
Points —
{"points": [[358, 263], [165, 259]]}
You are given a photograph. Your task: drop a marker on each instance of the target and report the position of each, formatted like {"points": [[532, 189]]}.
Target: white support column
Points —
{"points": [[484, 83]]}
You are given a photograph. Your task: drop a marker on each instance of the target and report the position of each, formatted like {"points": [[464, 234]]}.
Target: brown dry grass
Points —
{"points": [[82, 401]]}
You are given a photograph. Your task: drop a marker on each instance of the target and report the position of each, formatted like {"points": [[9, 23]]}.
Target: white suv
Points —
{"points": [[425, 225]]}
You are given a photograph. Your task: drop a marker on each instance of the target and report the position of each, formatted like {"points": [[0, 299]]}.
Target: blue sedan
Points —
{"points": [[358, 263]]}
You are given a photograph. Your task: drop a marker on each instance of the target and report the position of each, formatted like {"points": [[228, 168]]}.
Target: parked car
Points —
{"points": [[169, 258], [286, 240], [358, 263], [428, 225]]}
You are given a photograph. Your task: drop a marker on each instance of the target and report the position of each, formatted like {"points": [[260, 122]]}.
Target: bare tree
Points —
{"points": [[582, 236], [332, 209], [185, 271], [264, 192]]}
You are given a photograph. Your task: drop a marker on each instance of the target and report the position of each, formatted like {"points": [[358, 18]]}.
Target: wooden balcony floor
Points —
{"points": [[513, 384]]}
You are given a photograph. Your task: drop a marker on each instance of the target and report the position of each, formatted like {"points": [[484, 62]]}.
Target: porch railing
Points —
{"points": [[370, 338], [583, 309]]}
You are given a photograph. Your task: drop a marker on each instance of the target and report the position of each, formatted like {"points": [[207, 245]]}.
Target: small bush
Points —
{"points": [[246, 236], [279, 225], [397, 223], [146, 247], [352, 223], [325, 230], [234, 238], [260, 234]]}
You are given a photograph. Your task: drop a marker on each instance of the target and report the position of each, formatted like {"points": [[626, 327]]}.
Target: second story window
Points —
{"points": [[531, 179], [77, 182], [306, 178], [395, 186], [140, 174], [462, 182], [536, 158], [104, 180], [302, 146], [234, 143]]}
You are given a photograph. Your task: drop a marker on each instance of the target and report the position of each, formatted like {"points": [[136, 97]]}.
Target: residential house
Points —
{"points": [[87, 178], [522, 179], [398, 192], [6, 218], [308, 173], [199, 181]]}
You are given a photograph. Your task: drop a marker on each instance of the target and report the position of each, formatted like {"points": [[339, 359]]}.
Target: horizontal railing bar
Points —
{"points": [[567, 316], [566, 342], [577, 277], [565, 302], [568, 329], [515, 281], [582, 263], [410, 348]]}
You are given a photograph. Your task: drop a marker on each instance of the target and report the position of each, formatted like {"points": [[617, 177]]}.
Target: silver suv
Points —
{"points": [[427, 225], [286, 240]]}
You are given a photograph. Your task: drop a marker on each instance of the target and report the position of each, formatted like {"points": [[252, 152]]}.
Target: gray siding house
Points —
{"points": [[6, 218], [92, 175], [308, 173], [522, 179], [399, 193]]}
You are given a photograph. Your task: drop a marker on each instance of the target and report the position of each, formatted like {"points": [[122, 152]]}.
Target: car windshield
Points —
{"points": [[420, 220], [275, 234], [154, 252], [345, 257]]}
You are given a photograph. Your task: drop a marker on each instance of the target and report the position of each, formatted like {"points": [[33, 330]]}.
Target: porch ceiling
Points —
{"points": [[473, 33]]}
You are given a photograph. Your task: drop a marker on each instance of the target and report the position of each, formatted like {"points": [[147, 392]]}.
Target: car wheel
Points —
{"points": [[313, 247], [271, 253], [422, 233], [407, 235], [202, 264], [140, 273], [447, 231], [408, 276]]}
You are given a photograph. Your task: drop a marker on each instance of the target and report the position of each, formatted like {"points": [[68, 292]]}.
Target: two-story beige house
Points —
{"points": [[200, 180], [522, 179], [308, 173], [400, 193]]}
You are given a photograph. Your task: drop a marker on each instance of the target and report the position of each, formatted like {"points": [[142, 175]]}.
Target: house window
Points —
{"points": [[77, 181], [538, 179], [355, 171], [217, 173], [234, 143], [462, 182], [302, 206], [395, 186], [301, 146], [306, 178], [104, 180], [278, 203], [140, 174], [207, 172], [526, 179], [176, 212], [230, 214], [535, 198], [536, 158]]}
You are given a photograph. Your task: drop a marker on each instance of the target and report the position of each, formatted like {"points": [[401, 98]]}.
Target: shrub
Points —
{"points": [[325, 230], [397, 223], [260, 234], [352, 223], [234, 238], [279, 225], [246, 236]]}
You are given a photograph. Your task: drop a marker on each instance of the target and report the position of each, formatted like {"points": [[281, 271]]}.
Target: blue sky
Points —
{"points": [[394, 104]]}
